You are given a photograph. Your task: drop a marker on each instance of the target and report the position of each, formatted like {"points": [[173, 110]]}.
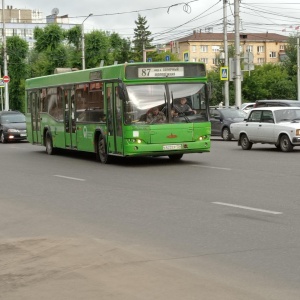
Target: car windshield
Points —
{"points": [[233, 113], [144, 99], [12, 118], [287, 115]]}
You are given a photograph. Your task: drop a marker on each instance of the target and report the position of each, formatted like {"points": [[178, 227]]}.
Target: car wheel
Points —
{"points": [[103, 157], [226, 134], [285, 144], [49, 144], [245, 143], [175, 156], [2, 138]]}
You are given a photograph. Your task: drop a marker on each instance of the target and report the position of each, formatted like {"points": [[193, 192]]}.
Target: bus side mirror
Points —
{"points": [[121, 92]]}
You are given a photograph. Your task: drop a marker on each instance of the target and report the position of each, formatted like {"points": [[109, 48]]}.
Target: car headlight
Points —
{"points": [[297, 131], [12, 130]]}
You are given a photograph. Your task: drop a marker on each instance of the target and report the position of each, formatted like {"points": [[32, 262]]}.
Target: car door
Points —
{"points": [[266, 127], [252, 125], [216, 124]]}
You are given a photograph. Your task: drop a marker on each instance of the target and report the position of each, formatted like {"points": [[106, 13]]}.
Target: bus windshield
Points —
{"points": [[142, 99]]}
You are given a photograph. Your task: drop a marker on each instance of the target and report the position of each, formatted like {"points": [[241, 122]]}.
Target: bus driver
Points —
{"points": [[183, 107]]}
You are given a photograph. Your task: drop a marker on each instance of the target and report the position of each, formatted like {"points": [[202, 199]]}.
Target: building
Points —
{"points": [[21, 22], [207, 47]]}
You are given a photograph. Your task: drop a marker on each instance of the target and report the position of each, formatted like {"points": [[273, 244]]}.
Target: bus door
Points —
{"points": [[70, 123], [35, 118], [114, 120]]}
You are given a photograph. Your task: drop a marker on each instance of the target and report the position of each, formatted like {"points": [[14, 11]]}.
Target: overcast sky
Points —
{"points": [[170, 19]]}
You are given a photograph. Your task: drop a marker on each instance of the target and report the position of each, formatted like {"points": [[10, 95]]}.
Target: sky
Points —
{"points": [[171, 19]]}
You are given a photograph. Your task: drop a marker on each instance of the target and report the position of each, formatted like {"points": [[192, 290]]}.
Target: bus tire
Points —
{"points": [[49, 144], [175, 156], [102, 155]]}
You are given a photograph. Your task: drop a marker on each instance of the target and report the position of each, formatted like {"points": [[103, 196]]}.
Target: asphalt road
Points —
{"points": [[219, 225]]}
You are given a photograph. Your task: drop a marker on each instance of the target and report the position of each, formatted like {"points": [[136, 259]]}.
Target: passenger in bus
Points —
{"points": [[182, 107], [156, 116]]}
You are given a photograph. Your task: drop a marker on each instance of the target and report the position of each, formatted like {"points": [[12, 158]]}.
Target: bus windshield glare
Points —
{"points": [[142, 99]]}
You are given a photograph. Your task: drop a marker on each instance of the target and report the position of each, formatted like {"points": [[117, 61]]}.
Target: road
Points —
{"points": [[219, 225]]}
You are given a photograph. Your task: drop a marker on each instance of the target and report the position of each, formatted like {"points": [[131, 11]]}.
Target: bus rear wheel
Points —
{"points": [[175, 156], [49, 144], [103, 157]]}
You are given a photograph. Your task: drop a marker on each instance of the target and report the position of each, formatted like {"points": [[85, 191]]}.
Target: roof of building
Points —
{"points": [[253, 37]]}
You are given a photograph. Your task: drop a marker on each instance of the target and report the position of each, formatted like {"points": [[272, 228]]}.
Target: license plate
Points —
{"points": [[23, 134], [171, 147]]}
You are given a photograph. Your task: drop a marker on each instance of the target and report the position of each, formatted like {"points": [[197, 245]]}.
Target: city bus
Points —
{"points": [[105, 110]]}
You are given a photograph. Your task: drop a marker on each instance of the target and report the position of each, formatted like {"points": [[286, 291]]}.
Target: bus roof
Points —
{"points": [[127, 72]]}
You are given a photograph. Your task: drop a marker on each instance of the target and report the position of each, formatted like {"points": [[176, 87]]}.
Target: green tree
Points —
{"points": [[119, 49], [269, 81], [290, 63], [97, 46], [48, 38], [141, 38], [17, 50]]}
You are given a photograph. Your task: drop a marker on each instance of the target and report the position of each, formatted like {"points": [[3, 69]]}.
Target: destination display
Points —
{"points": [[155, 72]]}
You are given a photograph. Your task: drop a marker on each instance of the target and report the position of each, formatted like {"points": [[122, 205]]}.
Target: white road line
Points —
{"points": [[218, 168], [249, 208], [72, 178]]}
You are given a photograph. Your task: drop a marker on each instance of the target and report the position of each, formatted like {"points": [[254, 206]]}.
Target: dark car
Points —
{"points": [[221, 118], [12, 126], [276, 102]]}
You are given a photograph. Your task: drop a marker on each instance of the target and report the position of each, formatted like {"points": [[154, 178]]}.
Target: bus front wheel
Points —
{"points": [[49, 144], [175, 156], [102, 150]]}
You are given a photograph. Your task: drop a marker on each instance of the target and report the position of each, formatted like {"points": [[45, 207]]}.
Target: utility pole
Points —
{"points": [[298, 70], [6, 96], [226, 82], [82, 42], [238, 86]]}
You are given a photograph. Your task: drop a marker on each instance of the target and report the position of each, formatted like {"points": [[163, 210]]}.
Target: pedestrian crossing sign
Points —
{"points": [[224, 73]]}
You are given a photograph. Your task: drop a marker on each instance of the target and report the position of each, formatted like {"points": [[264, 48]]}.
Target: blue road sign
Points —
{"points": [[149, 59], [168, 57]]}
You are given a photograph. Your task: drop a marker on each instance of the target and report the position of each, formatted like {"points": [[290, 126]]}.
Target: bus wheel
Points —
{"points": [[102, 151], [175, 156], [49, 144]]}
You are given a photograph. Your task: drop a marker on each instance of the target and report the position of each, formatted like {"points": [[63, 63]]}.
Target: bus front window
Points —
{"points": [[189, 102], [141, 100]]}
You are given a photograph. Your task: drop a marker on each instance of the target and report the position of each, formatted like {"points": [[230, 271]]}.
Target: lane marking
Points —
{"points": [[249, 208], [218, 168], [72, 178]]}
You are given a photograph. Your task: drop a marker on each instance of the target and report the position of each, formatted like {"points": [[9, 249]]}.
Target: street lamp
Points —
{"points": [[6, 95], [82, 42]]}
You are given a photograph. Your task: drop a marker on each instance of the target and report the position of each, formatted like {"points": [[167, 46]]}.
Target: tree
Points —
{"points": [[141, 38], [97, 46], [119, 49], [17, 49], [290, 63]]}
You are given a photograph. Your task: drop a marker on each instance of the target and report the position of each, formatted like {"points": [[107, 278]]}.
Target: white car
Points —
{"points": [[246, 107], [269, 125]]}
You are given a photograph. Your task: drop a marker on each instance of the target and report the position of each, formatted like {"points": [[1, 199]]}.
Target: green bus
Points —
{"points": [[106, 110]]}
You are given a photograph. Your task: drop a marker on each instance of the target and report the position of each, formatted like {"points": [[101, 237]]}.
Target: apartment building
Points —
{"points": [[21, 22], [207, 47]]}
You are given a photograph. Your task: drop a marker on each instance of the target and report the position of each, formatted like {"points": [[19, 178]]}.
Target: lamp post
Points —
{"points": [[82, 42], [6, 96]]}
